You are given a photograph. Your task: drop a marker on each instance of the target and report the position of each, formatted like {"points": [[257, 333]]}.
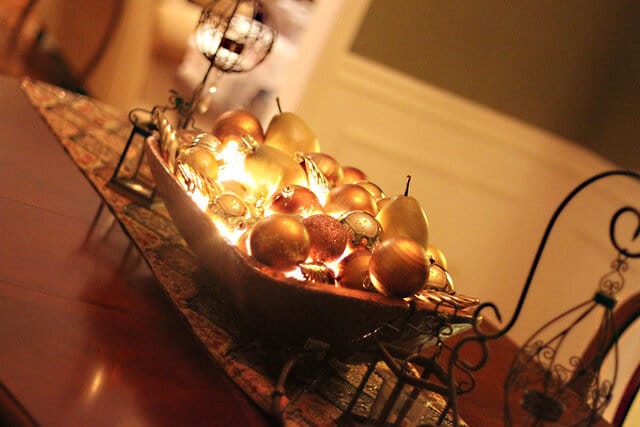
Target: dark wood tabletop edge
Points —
{"points": [[12, 413]]}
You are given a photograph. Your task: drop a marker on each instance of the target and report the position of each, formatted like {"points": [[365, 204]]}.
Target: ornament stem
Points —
{"points": [[278, 104], [406, 189]]}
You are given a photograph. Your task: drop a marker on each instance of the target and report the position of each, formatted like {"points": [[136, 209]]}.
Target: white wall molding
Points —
{"points": [[387, 86]]}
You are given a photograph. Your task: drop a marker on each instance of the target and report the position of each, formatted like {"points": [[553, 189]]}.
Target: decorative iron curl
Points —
{"points": [[613, 281], [636, 233], [547, 233], [481, 337]]}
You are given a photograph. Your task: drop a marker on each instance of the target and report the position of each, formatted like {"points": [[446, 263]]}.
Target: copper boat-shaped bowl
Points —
{"points": [[286, 310]]}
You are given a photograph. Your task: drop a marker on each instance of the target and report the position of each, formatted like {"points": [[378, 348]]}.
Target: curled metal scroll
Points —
{"points": [[480, 337]]}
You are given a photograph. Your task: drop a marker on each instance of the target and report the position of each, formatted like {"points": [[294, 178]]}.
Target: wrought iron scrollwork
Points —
{"points": [[536, 361]]}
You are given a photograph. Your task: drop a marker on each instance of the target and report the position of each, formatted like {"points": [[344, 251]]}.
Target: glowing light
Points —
{"points": [[207, 38], [232, 159], [200, 199], [96, 383], [231, 235], [333, 265], [321, 192], [295, 274], [226, 58], [239, 27]]}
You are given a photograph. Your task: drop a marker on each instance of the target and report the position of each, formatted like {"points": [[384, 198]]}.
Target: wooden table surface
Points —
{"points": [[87, 336]]}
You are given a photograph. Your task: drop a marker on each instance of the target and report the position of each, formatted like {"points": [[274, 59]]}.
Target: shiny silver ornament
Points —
{"points": [[364, 230], [231, 209]]}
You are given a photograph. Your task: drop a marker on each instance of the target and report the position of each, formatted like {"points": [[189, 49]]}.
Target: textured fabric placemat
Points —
{"points": [[94, 135]]}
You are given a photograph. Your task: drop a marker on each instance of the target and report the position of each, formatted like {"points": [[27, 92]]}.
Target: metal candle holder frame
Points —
{"points": [[438, 372], [214, 14], [547, 405], [129, 181]]}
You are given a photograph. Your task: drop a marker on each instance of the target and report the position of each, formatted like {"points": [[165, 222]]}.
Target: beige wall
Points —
{"points": [[571, 67], [488, 183]]}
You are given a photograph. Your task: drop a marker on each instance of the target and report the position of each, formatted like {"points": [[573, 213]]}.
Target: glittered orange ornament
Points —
{"points": [[295, 200], [353, 271], [399, 267], [238, 123], [349, 197], [328, 237], [279, 241]]}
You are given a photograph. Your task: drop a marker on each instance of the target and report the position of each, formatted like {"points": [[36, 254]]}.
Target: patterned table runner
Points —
{"points": [[94, 135]]}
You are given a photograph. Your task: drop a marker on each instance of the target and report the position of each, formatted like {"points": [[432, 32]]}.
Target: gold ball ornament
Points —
{"points": [[279, 241], [363, 229], [347, 198], [201, 159], [294, 200], [238, 123], [436, 256], [351, 175], [373, 189], [327, 236], [399, 267], [353, 271]]}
